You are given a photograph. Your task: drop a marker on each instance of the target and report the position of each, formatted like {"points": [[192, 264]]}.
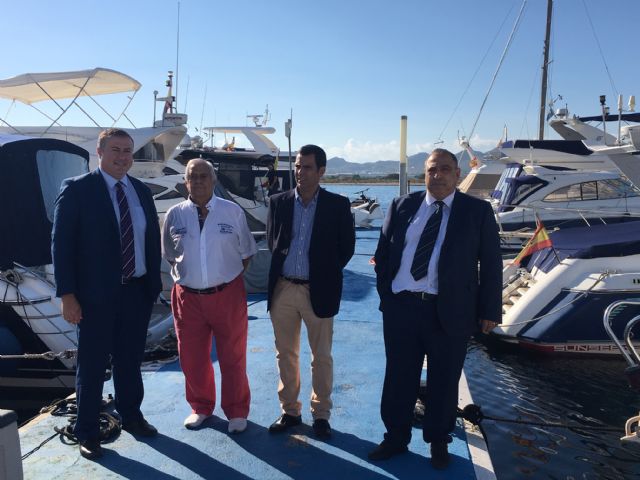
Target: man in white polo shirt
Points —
{"points": [[208, 243]]}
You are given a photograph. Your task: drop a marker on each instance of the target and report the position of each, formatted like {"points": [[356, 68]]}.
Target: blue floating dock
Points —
{"points": [[211, 453]]}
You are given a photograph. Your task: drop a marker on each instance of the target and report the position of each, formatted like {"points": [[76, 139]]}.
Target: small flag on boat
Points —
{"points": [[537, 242]]}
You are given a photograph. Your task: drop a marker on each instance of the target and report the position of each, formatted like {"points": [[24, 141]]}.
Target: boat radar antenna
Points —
{"points": [[170, 115], [261, 120]]}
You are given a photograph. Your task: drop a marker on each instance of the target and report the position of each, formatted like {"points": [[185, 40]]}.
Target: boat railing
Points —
{"points": [[630, 354], [527, 232]]}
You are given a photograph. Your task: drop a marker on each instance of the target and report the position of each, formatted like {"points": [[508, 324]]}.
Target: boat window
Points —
{"points": [[564, 194], [155, 189], [54, 166], [589, 190], [170, 195], [616, 188], [152, 151], [574, 193], [600, 190]]}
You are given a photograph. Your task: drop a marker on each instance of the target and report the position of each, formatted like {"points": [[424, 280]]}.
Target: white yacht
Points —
{"points": [[561, 198], [554, 302], [153, 145]]}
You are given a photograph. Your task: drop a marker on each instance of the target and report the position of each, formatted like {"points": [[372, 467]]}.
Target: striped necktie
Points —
{"points": [[426, 243], [126, 234]]}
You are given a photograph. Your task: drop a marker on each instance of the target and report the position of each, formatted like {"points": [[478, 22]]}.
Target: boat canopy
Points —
{"points": [[32, 171], [574, 147], [35, 87], [613, 117], [614, 240]]}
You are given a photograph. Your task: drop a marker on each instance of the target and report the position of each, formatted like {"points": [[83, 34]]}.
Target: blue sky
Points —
{"points": [[348, 68]]}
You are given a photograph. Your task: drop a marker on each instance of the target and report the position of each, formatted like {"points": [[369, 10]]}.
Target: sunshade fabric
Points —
{"points": [[31, 87]]}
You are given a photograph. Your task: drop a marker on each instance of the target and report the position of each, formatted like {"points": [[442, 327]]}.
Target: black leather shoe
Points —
{"points": [[140, 428], [440, 457], [91, 449], [321, 428], [284, 422], [386, 450]]}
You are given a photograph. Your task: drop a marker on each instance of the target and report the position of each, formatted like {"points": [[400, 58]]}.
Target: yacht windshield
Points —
{"points": [[53, 167], [512, 171]]}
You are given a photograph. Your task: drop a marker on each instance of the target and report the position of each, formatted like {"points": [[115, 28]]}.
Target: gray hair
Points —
{"points": [[194, 161]]}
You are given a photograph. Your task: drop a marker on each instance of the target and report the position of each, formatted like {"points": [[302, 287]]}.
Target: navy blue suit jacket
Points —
{"points": [[86, 241], [470, 264], [332, 244]]}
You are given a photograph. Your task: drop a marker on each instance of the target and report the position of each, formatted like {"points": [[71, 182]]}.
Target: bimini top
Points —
{"points": [[614, 240], [35, 87]]}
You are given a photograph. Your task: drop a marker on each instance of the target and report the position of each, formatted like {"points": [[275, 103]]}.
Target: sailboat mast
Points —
{"points": [[545, 66]]}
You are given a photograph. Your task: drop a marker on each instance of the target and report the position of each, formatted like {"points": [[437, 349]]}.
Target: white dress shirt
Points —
{"points": [[138, 218], [403, 279], [211, 256]]}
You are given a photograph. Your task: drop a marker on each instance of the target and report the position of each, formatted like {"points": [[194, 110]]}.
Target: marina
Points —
{"points": [[550, 391], [590, 395]]}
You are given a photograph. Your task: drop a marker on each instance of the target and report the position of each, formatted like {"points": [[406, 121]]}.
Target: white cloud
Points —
{"points": [[358, 151], [483, 144]]}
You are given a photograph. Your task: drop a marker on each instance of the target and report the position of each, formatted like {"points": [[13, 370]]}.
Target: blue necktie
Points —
{"points": [[426, 243], [126, 234]]}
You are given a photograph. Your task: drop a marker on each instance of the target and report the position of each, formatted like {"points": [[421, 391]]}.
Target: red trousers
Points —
{"points": [[200, 318]]}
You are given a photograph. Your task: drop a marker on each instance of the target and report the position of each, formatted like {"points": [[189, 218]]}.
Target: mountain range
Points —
{"points": [[415, 165]]}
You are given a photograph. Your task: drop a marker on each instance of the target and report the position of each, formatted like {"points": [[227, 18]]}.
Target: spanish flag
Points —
{"points": [[536, 243]]}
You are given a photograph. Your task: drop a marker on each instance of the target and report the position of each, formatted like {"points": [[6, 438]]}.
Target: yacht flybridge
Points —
{"points": [[153, 145]]}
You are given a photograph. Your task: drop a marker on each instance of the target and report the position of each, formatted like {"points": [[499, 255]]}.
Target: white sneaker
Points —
{"points": [[194, 420], [237, 425]]}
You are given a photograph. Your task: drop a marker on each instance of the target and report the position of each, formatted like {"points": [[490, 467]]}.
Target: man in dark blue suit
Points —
{"points": [[312, 238], [106, 256], [439, 277]]}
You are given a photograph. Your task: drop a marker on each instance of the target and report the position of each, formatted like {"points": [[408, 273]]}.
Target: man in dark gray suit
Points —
{"points": [[106, 256], [439, 277]]}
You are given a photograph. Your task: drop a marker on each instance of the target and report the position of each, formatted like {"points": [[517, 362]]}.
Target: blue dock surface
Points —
{"points": [[212, 453]]}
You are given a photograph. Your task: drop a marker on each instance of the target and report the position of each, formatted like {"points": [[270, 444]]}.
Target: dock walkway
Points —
{"points": [[211, 453]]}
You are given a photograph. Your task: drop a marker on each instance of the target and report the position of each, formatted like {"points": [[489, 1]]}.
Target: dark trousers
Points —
{"points": [[411, 331], [118, 329]]}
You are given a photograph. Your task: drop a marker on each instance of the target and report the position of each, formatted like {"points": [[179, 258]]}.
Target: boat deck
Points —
{"points": [[211, 452]]}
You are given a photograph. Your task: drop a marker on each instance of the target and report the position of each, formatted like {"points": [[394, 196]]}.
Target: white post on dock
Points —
{"points": [[10, 457], [403, 155]]}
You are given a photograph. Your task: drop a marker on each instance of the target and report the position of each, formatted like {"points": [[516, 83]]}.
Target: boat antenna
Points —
{"points": [[287, 132], [204, 101], [177, 56], [186, 95], [545, 71]]}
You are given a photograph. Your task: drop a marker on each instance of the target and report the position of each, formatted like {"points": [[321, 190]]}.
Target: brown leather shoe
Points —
{"points": [[140, 428], [386, 450], [285, 422], [440, 457], [91, 449]]}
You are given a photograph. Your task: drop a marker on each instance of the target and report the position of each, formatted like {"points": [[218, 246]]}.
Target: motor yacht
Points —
{"points": [[554, 301]]}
